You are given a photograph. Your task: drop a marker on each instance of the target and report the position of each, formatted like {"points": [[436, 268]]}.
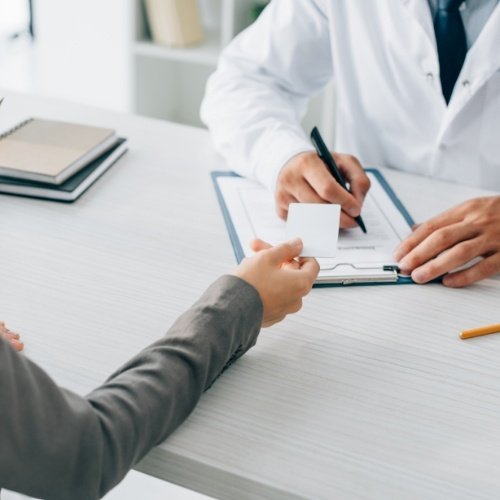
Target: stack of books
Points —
{"points": [[54, 159], [174, 22]]}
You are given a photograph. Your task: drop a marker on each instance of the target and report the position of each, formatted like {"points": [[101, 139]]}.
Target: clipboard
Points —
{"points": [[248, 211]]}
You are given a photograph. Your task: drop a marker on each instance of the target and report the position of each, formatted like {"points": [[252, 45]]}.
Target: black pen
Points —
{"points": [[328, 160]]}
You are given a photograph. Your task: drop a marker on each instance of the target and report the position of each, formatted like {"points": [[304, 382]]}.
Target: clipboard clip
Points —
{"points": [[391, 268], [360, 267], [397, 270], [361, 274]]}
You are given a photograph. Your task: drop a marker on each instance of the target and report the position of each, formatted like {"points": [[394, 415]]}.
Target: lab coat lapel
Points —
{"points": [[483, 59], [420, 11]]}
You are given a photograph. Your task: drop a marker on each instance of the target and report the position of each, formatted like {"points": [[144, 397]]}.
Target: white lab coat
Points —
{"points": [[390, 109]]}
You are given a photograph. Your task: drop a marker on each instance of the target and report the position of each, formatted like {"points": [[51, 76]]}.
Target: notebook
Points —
{"points": [[51, 151], [72, 188], [249, 212]]}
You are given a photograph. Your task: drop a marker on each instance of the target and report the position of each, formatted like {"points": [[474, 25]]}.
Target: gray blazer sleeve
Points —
{"points": [[55, 444]]}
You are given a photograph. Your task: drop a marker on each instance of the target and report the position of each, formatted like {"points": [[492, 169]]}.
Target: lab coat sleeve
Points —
{"points": [[256, 99], [55, 444]]}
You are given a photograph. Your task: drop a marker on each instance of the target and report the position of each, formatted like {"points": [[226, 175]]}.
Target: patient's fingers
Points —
{"points": [[16, 344], [11, 337], [257, 245]]}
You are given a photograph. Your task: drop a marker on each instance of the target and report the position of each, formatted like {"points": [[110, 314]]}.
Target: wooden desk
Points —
{"points": [[366, 393]]}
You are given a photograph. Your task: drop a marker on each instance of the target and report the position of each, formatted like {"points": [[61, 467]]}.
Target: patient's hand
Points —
{"points": [[279, 276], [11, 337]]}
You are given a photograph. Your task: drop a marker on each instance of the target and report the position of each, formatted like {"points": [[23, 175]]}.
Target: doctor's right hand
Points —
{"points": [[279, 276], [305, 179]]}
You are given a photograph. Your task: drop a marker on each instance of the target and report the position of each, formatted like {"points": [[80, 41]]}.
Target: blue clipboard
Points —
{"points": [[240, 254]]}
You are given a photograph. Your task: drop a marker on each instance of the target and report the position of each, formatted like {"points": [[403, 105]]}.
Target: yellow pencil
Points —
{"points": [[482, 330]]}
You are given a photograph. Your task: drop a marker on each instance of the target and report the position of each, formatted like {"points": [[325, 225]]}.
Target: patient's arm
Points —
{"points": [[55, 444]]}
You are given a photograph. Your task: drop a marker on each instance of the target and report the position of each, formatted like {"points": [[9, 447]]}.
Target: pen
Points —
{"points": [[328, 160], [482, 330]]}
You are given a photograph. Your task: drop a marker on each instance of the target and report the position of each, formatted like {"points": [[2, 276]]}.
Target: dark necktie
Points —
{"points": [[451, 43]]}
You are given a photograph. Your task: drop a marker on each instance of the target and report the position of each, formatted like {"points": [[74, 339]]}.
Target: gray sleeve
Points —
{"points": [[57, 445]]}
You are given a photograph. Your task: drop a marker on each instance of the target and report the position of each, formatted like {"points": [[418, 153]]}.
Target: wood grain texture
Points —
{"points": [[366, 393]]}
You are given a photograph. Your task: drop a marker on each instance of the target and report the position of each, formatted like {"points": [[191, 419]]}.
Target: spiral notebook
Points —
{"points": [[51, 151]]}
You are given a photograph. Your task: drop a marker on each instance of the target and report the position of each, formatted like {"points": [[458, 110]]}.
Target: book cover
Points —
{"points": [[51, 151], [174, 22], [72, 188]]}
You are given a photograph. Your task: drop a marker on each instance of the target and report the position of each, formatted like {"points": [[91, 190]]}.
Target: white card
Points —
{"points": [[317, 225]]}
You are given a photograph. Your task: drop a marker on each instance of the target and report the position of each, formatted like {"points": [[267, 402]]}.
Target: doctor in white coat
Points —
{"points": [[418, 89]]}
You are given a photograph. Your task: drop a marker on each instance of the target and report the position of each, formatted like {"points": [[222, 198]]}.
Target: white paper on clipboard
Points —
{"points": [[361, 258]]}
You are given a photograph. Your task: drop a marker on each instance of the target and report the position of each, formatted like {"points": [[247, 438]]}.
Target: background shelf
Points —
{"points": [[169, 82], [204, 53]]}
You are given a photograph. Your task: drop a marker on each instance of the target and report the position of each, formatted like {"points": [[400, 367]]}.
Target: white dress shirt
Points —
{"points": [[390, 109]]}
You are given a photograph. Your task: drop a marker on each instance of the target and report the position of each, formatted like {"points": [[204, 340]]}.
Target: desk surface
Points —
{"points": [[366, 393]]}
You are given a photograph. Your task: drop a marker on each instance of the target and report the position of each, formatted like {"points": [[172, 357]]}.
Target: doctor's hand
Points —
{"points": [[11, 337], [306, 179], [279, 276], [452, 239]]}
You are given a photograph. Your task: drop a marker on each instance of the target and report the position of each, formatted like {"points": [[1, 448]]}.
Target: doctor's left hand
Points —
{"points": [[452, 239]]}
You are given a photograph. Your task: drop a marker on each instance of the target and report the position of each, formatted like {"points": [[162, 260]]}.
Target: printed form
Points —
{"points": [[360, 257]]}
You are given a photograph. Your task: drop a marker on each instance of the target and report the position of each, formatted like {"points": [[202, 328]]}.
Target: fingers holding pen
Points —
{"points": [[305, 179], [355, 175]]}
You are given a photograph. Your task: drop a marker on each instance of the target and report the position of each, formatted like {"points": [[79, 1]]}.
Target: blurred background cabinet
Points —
{"points": [[102, 54], [169, 82]]}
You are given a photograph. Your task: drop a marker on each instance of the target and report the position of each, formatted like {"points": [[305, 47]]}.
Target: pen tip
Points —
{"points": [[361, 224]]}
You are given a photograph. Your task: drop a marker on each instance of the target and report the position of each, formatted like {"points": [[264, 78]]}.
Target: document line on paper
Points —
{"points": [[252, 212]]}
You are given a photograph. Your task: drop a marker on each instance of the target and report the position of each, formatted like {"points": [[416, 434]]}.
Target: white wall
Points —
{"points": [[81, 53]]}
